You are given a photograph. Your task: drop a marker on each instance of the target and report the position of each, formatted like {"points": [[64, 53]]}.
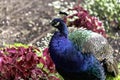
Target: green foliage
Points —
{"points": [[17, 45], [20, 45], [114, 78], [106, 10]]}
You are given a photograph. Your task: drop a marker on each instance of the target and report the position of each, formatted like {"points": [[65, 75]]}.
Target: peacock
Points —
{"points": [[71, 61]]}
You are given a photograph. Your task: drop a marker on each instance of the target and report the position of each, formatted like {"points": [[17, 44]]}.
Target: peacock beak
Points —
{"points": [[54, 23], [50, 22]]}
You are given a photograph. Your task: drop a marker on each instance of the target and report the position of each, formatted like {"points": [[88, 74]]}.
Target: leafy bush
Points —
{"points": [[26, 63], [81, 18], [106, 10], [78, 17]]}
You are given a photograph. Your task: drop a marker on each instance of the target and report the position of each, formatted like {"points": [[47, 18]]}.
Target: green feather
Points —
{"points": [[79, 37], [87, 40]]}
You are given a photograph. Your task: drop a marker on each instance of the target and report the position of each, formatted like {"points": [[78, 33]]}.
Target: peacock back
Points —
{"points": [[88, 41]]}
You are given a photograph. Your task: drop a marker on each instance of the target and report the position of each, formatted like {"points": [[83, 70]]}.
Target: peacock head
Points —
{"points": [[60, 25], [57, 23]]}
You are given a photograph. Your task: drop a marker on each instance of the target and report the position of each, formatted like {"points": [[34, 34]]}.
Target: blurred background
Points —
{"points": [[27, 21]]}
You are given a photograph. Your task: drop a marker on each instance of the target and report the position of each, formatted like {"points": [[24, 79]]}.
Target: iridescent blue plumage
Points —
{"points": [[71, 63]]}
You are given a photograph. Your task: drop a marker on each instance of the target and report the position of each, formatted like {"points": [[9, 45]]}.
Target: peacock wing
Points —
{"points": [[88, 41], [103, 51]]}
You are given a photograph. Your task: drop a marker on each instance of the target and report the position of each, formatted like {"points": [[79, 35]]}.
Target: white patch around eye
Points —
{"points": [[57, 23]]}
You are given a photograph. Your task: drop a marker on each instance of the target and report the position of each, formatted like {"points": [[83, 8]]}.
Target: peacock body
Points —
{"points": [[88, 41], [70, 61], [77, 55]]}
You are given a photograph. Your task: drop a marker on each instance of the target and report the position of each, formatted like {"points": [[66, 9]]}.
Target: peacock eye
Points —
{"points": [[57, 23]]}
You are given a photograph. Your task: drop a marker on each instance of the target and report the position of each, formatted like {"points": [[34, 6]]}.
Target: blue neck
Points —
{"points": [[63, 29]]}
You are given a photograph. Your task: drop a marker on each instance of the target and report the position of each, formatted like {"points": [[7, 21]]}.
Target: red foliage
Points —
{"points": [[85, 20], [48, 61], [21, 63]]}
